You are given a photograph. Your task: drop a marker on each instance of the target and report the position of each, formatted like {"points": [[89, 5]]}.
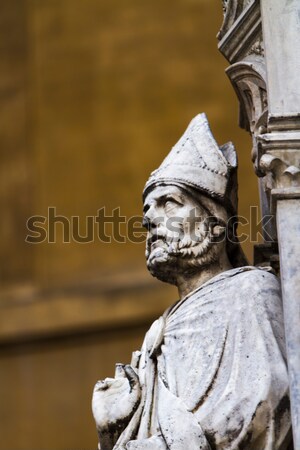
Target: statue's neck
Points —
{"points": [[188, 283]]}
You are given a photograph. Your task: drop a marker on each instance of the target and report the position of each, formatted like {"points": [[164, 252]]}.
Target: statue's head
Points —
{"points": [[189, 202]]}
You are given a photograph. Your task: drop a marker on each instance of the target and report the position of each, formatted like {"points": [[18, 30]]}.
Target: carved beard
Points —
{"points": [[167, 256]]}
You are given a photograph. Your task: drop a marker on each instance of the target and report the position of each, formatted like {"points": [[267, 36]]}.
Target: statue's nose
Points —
{"points": [[146, 223], [151, 219], [149, 224]]}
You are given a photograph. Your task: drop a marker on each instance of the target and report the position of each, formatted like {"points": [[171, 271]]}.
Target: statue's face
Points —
{"points": [[180, 238]]}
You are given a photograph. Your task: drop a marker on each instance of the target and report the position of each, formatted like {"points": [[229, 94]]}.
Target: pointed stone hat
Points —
{"points": [[196, 161]]}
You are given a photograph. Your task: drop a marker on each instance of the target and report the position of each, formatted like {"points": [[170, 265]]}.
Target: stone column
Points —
{"points": [[260, 39], [280, 159]]}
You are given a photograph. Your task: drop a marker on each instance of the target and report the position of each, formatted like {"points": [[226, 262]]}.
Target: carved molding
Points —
{"points": [[284, 123], [232, 9], [283, 194], [279, 161], [279, 154], [248, 78], [244, 35], [276, 142]]}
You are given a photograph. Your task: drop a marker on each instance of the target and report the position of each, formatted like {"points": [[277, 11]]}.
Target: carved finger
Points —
{"points": [[101, 385], [132, 377], [119, 371], [135, 359]]}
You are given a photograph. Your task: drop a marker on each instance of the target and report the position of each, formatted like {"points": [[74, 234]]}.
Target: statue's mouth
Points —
{"points": [[157, 251], [156, 247], [159, 242], [156, 241], [156, 237]]}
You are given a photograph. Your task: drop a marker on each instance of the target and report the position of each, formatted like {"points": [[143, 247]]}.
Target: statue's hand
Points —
{"points": [[114, 402]]}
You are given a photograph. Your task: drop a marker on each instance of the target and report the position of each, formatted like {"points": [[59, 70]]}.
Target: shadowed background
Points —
{"points": [[94, 94]]}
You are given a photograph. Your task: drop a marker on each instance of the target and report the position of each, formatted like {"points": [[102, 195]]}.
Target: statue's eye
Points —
{"points": [[171, 204]]}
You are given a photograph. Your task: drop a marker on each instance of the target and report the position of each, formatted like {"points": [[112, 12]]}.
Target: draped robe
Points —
{"points": [[213, 372]]}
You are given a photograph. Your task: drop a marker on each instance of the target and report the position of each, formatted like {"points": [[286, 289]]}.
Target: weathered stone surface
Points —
{"points": [[211, 373], [270, 104]]}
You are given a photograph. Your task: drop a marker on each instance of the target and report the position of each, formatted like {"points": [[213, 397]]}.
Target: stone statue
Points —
{"points": [[211, 373]]}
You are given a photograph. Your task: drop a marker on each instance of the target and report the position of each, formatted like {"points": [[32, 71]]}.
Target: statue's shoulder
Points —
{"points": [[256, 286], [256, 277], [247, 283], [241, 279]]}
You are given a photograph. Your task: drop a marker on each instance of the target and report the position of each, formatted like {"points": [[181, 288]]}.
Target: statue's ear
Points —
{"points": [[229, 152], [218, 230]]}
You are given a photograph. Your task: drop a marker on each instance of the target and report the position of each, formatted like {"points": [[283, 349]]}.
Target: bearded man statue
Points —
{"points": [[211, 373]]}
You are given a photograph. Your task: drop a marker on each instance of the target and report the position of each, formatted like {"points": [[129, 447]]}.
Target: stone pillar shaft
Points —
{"points": [[281, 159], [281, 30], [288, 226], [260, 39]]}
